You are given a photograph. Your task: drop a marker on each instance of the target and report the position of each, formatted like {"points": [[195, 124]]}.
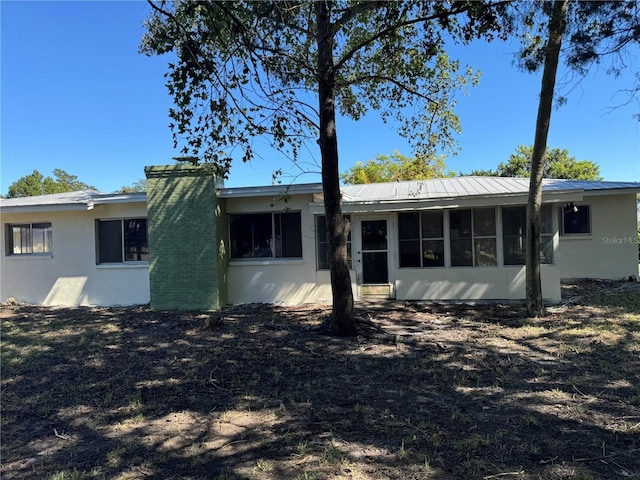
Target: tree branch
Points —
{"points": [[382, 33], [402, 86]]}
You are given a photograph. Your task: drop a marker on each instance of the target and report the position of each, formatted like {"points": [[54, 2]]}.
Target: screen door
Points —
{"points": [[374, 252]]}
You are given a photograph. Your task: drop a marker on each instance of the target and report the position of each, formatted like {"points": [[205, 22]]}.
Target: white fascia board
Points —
{"points": [[47, 208], [137, 197], [270, 190], [612, 191]]}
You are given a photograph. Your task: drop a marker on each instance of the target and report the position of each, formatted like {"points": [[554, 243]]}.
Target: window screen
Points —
{"points": [[266, 235]]}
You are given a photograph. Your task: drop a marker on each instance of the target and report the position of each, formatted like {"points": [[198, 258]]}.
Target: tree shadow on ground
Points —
{"points": [[441, 392]]}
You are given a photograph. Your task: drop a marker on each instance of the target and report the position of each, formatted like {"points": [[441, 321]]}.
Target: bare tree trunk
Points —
{"points": [[535, 306], [337, 229]]}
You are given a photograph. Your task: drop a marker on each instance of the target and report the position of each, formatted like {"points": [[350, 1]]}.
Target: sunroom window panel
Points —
{"points": [[420, 239], [514, 235], [408, 226], [546, 249], [461, 252], [431, 224], [514, 221], [486, 253], [484, 222], [460, 223], [322, 247], [410, 253], [323, 256], [546, 220], [433, 253], [514, 250]]}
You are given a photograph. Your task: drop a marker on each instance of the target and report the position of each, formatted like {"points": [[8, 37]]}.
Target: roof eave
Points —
{"points": [[107, 199], [613, 191], [65, 207], [270, 190]]}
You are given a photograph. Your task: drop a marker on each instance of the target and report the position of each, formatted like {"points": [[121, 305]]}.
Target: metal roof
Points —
{"points": [[79, 200], [434, 190], [458, 187]]}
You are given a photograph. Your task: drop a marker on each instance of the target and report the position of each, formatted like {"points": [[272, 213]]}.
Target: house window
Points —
{"points": [[576, 220], [29, 239], [122, 240], [266, 235], [322, 246], [421, 239], [514, 227], [473, 237]]}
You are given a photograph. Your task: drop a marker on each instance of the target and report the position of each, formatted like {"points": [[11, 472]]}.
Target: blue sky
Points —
{"points": [[77, 95]]}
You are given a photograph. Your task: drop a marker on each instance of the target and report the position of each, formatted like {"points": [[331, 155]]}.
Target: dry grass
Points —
{"points": [[444, 392]]}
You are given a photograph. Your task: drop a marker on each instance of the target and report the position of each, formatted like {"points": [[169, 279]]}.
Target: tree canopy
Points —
{"points": [[284, 70], [558, 164], [37, 184], [247, 69], [139, 185], [602, 34], [396, 167]]}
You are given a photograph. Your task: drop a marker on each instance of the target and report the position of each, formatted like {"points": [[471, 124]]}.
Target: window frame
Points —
{"points": [[322, 239], [47, 240], [123, 241], [473, 236], [421, 239], [562, 219], [545, 237], [275, 246]]}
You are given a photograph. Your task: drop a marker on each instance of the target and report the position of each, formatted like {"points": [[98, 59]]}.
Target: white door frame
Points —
{"points": [[356, 231]]}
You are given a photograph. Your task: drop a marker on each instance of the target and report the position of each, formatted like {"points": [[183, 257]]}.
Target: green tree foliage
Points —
{"points": [[395, 167], [246, 69], [600, 34], [281, 70], [558, 164], [139, 185], [37, 184]]}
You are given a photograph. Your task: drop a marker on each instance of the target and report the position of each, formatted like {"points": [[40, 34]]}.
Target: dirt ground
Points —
{"points": [[260, 392]]}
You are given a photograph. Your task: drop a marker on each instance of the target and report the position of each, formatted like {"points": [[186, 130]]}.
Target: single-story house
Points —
{"points": [[190, 243]]}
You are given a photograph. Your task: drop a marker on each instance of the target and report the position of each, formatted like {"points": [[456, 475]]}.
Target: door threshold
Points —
{"points": [[372, 291]]}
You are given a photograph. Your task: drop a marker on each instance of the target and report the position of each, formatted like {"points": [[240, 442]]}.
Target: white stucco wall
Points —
{"points": [[291, 281], [479, 283], [70, 276], [286, 281], [611, 250]]}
